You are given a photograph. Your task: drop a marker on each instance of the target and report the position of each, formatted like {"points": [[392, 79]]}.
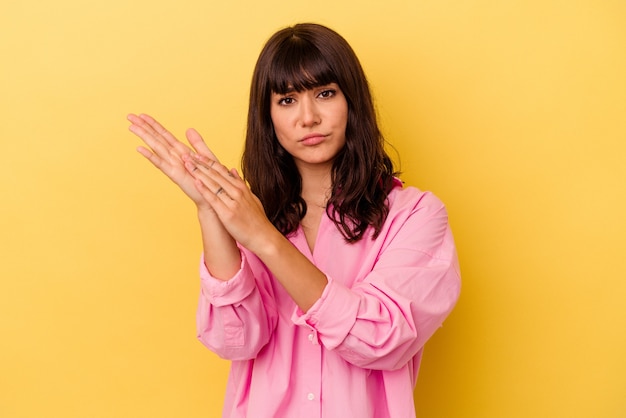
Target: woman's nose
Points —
{"points": [[309, 113]]}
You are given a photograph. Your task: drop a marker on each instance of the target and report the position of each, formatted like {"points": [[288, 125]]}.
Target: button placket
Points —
{"points": [[312, 390], [312, 336]]}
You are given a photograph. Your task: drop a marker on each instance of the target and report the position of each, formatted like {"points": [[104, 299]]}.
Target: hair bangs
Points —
{"points": [[299, 66]]}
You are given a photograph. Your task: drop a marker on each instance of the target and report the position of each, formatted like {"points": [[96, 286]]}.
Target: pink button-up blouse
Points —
{"points": [[357, 351]]}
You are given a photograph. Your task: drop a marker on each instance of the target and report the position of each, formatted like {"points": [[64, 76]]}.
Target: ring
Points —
{"points": [[212, 162], [220, 190]]}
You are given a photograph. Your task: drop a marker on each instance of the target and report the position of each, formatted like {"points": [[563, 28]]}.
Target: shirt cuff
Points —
{"points": [[333, 315], [227, 292]]}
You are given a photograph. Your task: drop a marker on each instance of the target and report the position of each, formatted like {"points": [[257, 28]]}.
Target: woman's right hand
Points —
{"points": [[169, 155]]}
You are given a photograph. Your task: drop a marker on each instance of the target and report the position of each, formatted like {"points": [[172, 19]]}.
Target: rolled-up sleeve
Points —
{"points": [[382, 320], [234, 317], [227, 292]]}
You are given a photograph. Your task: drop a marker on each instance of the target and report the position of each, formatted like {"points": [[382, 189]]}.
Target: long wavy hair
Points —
{"points": [[302, 57]]}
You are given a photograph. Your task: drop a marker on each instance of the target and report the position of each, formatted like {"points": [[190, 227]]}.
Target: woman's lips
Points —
{"points": [[313, 139]]}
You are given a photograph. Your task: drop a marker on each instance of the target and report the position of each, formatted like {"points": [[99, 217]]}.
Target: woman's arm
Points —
{"points": [[236, 315], [170, 155], [383, 320], [242, 215], [236, 318]]}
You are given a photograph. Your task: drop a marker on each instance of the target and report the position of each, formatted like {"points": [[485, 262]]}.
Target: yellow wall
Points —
{"points": [[513, 112]]}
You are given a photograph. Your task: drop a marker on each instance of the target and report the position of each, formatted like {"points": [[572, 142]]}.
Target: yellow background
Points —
{"points": [[513, 112]]}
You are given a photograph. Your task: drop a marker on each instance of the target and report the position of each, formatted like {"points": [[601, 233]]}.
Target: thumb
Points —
{"points": [[198, 144]]}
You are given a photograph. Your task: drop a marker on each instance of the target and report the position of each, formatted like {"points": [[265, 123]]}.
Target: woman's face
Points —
{"points": [[311, 125]]}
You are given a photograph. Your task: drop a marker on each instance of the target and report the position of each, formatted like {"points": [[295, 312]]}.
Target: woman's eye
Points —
{"points": [[327, 94], [285, 101]]}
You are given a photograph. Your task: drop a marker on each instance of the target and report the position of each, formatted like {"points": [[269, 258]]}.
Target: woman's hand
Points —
{"points": [[242, 216], [168, 154], [239, 210]]}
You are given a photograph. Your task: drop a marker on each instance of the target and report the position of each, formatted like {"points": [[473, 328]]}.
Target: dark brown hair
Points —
{"points": [[302, 57]]}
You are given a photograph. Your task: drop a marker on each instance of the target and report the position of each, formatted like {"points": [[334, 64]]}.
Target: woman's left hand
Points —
{"points": [[239, 210]]}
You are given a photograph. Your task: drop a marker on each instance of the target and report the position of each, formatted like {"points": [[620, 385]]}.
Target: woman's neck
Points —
{"points": [[316, 186]]}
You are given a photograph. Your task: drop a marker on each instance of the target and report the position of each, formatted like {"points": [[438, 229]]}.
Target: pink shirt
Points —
{"points": [[356, 352]]}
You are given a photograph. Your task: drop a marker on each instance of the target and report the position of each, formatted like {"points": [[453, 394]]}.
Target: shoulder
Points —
{"points": [[419, 220], [409, 199]]}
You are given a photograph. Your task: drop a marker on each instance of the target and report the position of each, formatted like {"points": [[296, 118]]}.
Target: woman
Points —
{"points": [[322, 277]]}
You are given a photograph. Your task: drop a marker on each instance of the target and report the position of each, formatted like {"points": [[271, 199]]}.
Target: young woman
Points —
{"points": [[322, 277]]}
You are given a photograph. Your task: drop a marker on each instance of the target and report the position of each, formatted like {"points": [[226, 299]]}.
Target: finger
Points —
{"points": [[140, 122], [201, 159], [143, 130], [235, 173], [155, 127], [212, 196], [142, 133], [158, 133], [198, 144], [157, 147], [152, 157], [215, 177], [159, 152], [195, 162], [159, 130], [201, 172], [219, 173]]}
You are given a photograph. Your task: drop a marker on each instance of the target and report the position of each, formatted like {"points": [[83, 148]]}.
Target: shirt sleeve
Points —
{"points": [[382, 321], [235, 318]]}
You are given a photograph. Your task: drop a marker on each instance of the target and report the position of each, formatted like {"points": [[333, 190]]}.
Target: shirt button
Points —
{"points": [[311, 336], [310, 396]]}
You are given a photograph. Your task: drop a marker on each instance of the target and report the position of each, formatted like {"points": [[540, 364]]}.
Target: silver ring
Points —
{"points": [[220, 190]]}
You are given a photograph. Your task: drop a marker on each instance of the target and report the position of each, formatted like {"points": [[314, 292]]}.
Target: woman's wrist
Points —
{"points": [[221, 254]]}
